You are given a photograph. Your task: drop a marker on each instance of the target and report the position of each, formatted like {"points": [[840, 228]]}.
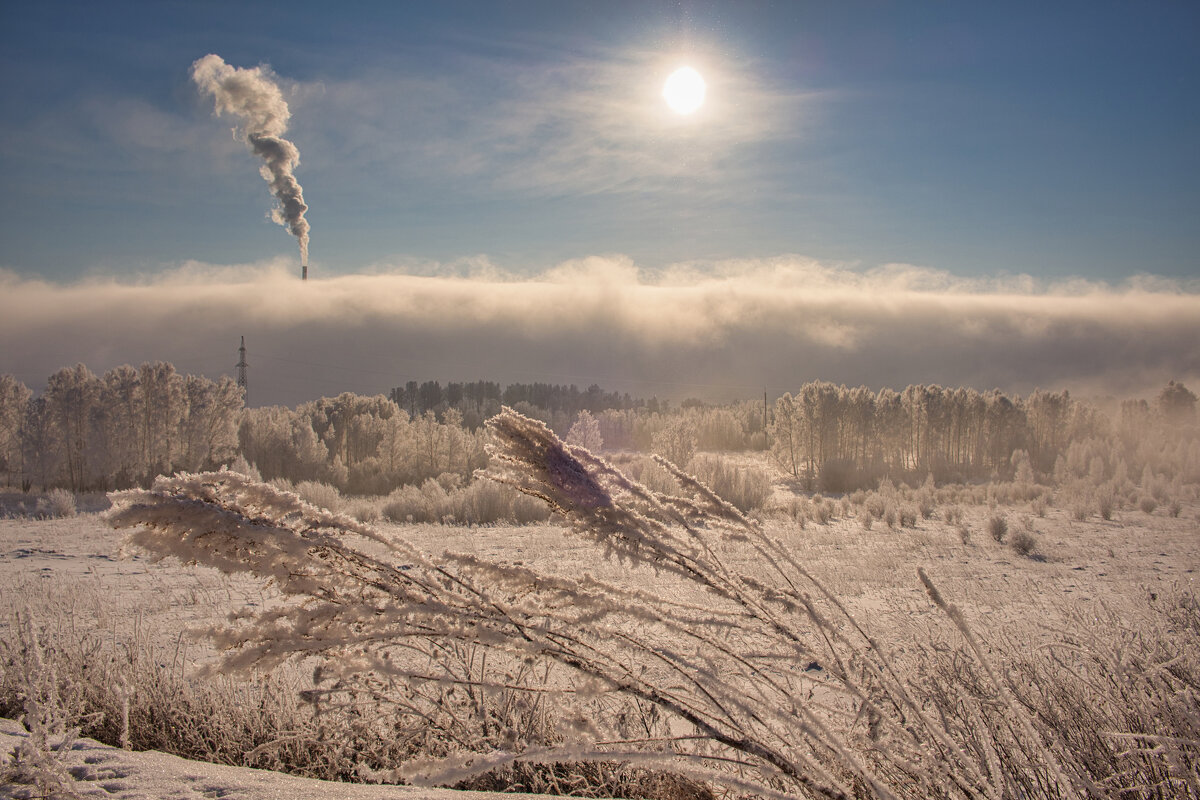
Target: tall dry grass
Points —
{"points": [[759, 680]]}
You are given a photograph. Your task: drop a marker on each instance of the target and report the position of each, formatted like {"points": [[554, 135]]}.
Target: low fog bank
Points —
{"points": [[718, 332]]}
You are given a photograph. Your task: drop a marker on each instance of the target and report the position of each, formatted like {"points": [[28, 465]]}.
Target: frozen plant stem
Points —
{"points": [[721, 656]]}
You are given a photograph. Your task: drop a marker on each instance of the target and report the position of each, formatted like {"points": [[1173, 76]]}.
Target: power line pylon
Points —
{"points": [[241, 368]]}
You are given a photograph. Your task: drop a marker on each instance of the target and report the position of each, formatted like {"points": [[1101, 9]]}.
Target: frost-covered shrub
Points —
{"points": [[655, 477], [407, 504], [876, 503], [30, 690], [1106, 502], [926, 505], [480, 502], [421, 504], [448, 481], [244, 467], [997, 527], [820, 510], [437, 500], [484, 502], [843, 475], [121, 689], [60, 503], [365, 511], [747, 487], [527, 510], [1022, 542], [282, 484], [320, 494], [796, 509]]}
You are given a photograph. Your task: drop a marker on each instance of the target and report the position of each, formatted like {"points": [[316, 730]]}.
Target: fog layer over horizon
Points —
{"points": [[720, 331]]}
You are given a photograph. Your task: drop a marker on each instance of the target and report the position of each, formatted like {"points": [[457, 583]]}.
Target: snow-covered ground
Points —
{"points": [[75, 567], [102, 771]]}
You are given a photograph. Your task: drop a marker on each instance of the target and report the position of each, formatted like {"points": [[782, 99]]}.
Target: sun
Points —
{"points": [[684, 90]]}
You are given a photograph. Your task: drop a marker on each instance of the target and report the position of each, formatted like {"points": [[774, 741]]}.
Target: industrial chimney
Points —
{"points": [[304, 272]]}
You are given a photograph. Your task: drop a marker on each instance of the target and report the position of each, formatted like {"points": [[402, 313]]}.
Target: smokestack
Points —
{"points": [[252, 95], [304, 272]]}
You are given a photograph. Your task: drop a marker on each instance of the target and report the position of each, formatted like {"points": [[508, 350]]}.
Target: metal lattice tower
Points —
{"points": [[241, 368]]}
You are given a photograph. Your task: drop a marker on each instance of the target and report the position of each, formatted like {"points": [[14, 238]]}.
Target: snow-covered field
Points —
{"points": [[99, 770], [1117, 564], [73, 571]]}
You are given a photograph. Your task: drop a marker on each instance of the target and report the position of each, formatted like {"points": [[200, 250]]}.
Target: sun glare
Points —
{"points": [[684, 90]]}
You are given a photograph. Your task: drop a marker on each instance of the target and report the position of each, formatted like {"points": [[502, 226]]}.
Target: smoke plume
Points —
{"points": [[255, 98]]}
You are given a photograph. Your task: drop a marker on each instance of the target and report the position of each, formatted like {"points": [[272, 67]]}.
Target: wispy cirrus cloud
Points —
{"points": [[719, 331], [578, 122]]}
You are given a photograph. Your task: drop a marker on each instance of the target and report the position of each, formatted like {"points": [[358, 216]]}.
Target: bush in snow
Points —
{"points": [[480, 502], [1023, 542], [997, 526], [746, 487], [320, 494], [60, 503]]}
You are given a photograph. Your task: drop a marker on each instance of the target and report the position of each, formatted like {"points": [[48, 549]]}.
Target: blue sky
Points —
{"points": [[1049, 139], [995, 195]]}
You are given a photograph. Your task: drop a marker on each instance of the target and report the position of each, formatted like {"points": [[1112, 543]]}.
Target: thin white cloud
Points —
{"points": [[724, 331], [589, 122]]}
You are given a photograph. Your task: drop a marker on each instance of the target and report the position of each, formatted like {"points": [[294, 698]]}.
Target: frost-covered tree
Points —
{"points": [[14, 407], [1048, 414], [585, 432], [676, 440], [162, 413], [210, 428], [456, 441], [785, 436], [349, 425], [617, 428], [281, 443], [398, 450], [74, 402], [430, 436], [124, 403], [41, 452], [1177, 404], [722, 429]]}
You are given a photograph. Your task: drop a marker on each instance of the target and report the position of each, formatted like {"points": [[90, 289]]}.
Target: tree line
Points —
{"points": [[480, 400], [843, 438], [121, 429], [361, 445]]}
